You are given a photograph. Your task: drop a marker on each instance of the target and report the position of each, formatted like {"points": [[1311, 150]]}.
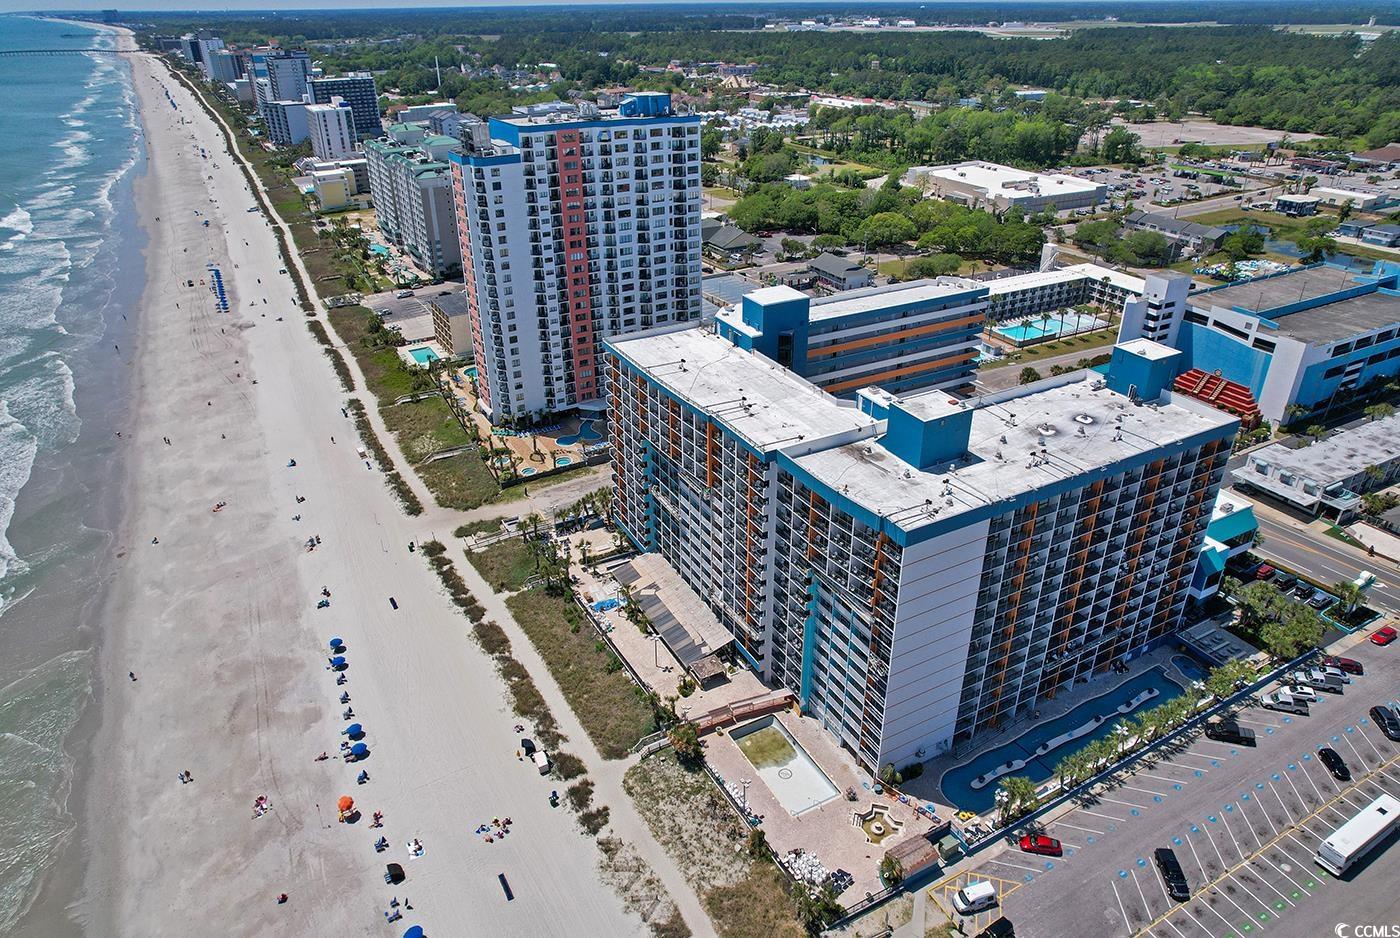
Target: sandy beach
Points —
{"points": [[218, 623]]}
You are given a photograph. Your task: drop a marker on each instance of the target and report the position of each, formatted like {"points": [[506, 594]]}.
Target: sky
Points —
{"points": [[165, 6]]}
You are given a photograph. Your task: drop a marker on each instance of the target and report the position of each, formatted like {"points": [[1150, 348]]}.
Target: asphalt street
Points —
{"points": [[1244, 823]]}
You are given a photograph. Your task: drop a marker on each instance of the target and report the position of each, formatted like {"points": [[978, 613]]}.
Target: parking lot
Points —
{"points": [[1244, 823], [1159, 186]]}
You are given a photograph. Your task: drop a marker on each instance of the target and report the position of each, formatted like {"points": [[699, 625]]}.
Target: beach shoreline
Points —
{"points": [[215, 613]]}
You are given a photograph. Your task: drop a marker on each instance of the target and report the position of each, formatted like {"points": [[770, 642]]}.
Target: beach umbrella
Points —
{"points": [[414, 931], [338, 661], [359, 750], [346, 803], [337, 642], [354, 729]]}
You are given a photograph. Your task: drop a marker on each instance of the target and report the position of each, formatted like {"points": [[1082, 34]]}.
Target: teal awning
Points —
{"points": [[1212, 560], [1228, 527]]}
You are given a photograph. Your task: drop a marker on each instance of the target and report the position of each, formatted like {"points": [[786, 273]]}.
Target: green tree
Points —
{"points": [[1315, 430], [685, 739], [1222, 679], [1316, 248], [1296, 629], [886, 228], [1029, 374], [1379, 411], [1349, 595], [1016, 797], [1241, 244], [935, 265], [1120, 145], [891, 871], [816, 907]]}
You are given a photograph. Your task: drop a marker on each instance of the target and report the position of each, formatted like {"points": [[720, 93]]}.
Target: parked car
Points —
{"points": [[1387, 720], [1172, 874], [1001, 928], [1284, 702], [1331, 671], [403, 294], [1347, 665], [1302, 692], [1317, 680], [1383, 635], [1263, 571], [1303, 590], [1285, 581], [1320, 600], [1334, 763], [1229, 731], [1039, 843], [974, 897]]}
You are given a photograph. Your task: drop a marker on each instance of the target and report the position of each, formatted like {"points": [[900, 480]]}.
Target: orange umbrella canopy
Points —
{"points": [[346, 803]]}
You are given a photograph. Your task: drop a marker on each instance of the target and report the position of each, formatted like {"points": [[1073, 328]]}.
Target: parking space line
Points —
{"points": [[1226, 896], [1192, 844], [1337, 811], [1225, 819], [1366, 736], [1290, 836], [1289, 780], [1233, 930], [1285, 876], [1350, 802], [1211, 838], [1166, 919], [1248, 892], [1353, 749], [1308, 776], [1287, 813], [1126, 922], [1147, 909], [1145, 791], [1130, 804], [1198, 755], [1107, 817], [1249, 825], [1087, 830], [1184, 907], [1167, 764], [1017, 866], [1256, 721]]}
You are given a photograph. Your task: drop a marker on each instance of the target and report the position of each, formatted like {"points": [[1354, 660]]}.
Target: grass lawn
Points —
{"points": [[515, 493], [896, 266], [384, 370], [1284, 228], [473, 528], [462, 482], [506, 564], [1084, 342], [424, 427], [599, 691], [689, 817]]}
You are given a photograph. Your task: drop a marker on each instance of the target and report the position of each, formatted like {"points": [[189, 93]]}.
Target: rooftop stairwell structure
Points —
{"points": [[1220, 393]]}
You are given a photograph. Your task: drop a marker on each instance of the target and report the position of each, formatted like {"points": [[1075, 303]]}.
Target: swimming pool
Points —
{"points": [[1189, 667], [586, 433], [957, 783], [379, 249], [423, 355], [782, 763], [1035, 329]]}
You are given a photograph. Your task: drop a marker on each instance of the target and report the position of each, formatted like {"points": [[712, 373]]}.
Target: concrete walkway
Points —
{"points": [[607, 775]]}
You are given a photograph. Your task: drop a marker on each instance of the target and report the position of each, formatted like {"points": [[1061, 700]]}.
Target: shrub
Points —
{"points": [[595, 820], [566, 765], [580, 795]]}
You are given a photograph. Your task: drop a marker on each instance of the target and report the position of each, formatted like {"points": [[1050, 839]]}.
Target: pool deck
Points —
{"points": [[929, 785], [827, 829]]}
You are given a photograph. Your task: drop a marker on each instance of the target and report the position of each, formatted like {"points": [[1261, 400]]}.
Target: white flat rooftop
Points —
{"points": [[1045, 278], [870, 299], [1006, 181], [763, 402], [1021, 441]]}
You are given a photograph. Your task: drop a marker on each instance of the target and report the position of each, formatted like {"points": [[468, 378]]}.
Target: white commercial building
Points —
{"points": [[1362, 201], [332, 129], [997, 188], [412, 191], [576, 224], [285, 121]]}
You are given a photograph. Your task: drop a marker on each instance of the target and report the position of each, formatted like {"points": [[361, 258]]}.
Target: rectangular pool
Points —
{"points": [[1035, 329], [423, 355], [782, 763]]}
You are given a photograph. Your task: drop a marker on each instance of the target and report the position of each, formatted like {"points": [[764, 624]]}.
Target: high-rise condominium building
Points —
{"points": [[412, 189], [358, 90], [279, 74], [332, 129], [576, 224], [917, 569]]}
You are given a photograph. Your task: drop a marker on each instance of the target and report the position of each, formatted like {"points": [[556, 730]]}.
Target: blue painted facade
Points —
{"points": [[1133, 370], [1209, 350]]}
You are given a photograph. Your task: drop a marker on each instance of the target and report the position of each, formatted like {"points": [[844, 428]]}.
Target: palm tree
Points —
{"points": [[1379, 411], [1349, 594]]}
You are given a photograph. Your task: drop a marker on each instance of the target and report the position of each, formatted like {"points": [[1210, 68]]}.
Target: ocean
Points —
{"points": [[71, 273]]}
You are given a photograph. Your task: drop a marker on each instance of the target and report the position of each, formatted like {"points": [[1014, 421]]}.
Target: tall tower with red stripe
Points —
{"points": [[576, 224]]}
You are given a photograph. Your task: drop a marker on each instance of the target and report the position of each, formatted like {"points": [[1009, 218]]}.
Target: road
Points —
{"points": [[1001, 377], [1306, 550], [1205, 206], [1243, 821]]}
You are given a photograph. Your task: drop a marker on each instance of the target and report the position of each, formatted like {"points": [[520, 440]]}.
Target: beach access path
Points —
{"points": [[218, 621]]}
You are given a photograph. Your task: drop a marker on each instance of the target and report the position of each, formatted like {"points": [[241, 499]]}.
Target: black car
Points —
{"points": [[1172, 874], [1335, 764], [1228, 731], [1285, 581], [1386, 719], [1001, 928]]}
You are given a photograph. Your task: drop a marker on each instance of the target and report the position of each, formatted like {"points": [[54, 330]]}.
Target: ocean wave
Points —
{"points": [[18, 447], [18, 220], [37, 712]]}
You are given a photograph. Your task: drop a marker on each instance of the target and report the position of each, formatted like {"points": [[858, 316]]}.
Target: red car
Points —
{"points": [[1345, 665], [1263, 572], [1039, 843], [1383, 635]]}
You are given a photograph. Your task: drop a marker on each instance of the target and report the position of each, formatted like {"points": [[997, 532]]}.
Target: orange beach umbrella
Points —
{"points": [[346, 803]]}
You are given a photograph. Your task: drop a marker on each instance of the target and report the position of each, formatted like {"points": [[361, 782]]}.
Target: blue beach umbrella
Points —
{"points": [[354, 731], [337, 642], [359, 750], [413, 931], [338, 662]]}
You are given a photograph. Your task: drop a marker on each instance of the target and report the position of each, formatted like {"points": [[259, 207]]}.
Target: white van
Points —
{"points": [[541, 761], [974, 897]]}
